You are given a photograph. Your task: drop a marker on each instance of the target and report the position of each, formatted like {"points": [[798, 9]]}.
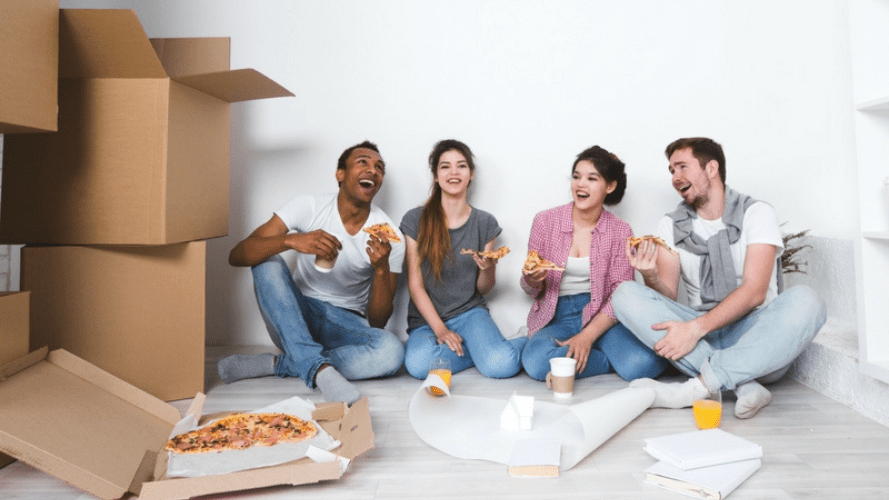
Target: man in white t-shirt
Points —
{"points": [[737, 329], [328, 314]]}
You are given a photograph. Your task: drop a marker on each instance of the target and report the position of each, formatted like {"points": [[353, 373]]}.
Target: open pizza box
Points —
{"points": [[74, 421]]}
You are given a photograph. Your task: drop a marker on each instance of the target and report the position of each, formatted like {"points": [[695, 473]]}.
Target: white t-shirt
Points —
{"points": [[760, 226], [347, 284]]}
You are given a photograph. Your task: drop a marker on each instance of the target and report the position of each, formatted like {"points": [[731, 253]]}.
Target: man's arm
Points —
{"points": [[682, 337], [382, 289], [273, 238], [658, 266]]}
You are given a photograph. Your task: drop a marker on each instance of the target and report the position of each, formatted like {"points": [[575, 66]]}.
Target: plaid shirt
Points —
{"points": [[551, 235]]}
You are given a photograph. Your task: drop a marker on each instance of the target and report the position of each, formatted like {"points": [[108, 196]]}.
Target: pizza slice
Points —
{"points": [[534, 262], [493, 254], [635, 241], [383, 231]]}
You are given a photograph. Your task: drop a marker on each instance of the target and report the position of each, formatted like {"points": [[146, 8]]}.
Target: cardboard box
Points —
{"points": [[14, 312], [73, 421], [142, 152], [29, 56], [136, 312]]}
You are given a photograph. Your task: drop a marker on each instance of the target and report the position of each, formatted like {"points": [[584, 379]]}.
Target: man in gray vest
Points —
{"points": [[737, 330]]}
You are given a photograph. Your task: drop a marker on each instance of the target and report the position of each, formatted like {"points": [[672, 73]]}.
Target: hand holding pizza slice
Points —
{"points": [[534, 262], [382, 231], [635, 241], [492, 254]]}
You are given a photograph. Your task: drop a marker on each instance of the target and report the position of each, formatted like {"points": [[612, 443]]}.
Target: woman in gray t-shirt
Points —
{"points": [[447, 315]]}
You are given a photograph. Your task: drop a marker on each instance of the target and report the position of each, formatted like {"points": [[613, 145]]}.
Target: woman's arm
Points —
{"points": [[486, 271]]}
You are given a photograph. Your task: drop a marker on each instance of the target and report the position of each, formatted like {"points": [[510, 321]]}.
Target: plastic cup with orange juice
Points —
{"points": [[708, 411], [442, 368]]}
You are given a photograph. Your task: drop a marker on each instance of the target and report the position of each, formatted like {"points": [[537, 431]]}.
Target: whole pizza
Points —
{"points": [[243, 430]]}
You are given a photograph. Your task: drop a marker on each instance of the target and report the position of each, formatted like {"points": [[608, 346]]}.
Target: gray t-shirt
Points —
{"points": [[455, 293]]}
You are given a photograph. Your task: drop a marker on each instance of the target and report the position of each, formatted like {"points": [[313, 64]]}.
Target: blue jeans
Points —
{"points": [[760, 346], [615, 350], [312, 332], [483, 347]]}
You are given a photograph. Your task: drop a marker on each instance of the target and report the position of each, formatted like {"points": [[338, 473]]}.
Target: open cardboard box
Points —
{"points": [[142, 152], [15, 309], [70, 419], [29, 58]]}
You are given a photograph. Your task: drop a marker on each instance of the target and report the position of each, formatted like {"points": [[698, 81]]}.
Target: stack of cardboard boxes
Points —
{"points": [[115, 207]]}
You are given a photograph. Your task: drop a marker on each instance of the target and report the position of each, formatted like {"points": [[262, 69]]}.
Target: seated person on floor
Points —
{"points": [[328, 315], [572, 313], [448, 277], [737, 330]]}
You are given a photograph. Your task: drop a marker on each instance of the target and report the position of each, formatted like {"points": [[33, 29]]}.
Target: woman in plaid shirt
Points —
{"points": [[571, 315]]}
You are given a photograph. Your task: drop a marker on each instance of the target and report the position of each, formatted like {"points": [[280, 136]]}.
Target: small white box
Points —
{"points": [[518, 414]]}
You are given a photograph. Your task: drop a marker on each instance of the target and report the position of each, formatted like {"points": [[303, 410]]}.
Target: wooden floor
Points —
{"points": [[814, 448]]}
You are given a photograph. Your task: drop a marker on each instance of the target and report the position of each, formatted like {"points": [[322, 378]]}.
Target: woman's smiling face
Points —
{"points": [[453, 174], [588, 186]]}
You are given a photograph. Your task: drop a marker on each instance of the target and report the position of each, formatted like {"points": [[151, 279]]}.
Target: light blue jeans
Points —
{"points": [[483, 347], [760, 346], [312, 332], [615, 350]]}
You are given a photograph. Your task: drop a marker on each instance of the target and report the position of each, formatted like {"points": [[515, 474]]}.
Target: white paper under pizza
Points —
{"points": [[469, 427], [210, 464]]}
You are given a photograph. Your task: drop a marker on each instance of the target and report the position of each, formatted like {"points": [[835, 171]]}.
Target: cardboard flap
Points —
{"points": [[193, 56], [13, 367], [105, 43], [196, 406], [236, 85]]}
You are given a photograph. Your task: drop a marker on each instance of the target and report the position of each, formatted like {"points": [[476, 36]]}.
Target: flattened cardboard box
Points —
{"points": [[78, 423], [29, 58], [142, 153], [14, 328], [137, 312]]}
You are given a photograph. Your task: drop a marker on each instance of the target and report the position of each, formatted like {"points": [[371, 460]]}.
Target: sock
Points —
{"points": [[241, 366], [673, 395], [752, 397], [335, 387]]}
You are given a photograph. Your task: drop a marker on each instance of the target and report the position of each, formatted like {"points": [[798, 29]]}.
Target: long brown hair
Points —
{"points": [[433, 238]]}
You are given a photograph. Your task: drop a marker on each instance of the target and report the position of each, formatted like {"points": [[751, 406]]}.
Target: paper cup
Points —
{"points": [[325, 265], [561, 376]]}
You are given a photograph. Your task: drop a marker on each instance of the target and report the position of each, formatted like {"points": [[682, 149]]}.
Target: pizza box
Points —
{"points": [[74, 421], [29, 58], [142, 152]]}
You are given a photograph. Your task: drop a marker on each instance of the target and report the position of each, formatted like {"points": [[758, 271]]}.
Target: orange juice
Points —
{"points": [[445, 375], [707, 413]]}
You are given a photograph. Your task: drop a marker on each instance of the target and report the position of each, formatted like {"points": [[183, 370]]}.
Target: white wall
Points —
{"points": [[528, 85]]}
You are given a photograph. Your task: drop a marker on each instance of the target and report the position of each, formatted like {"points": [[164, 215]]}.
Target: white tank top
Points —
{"points": [[576, 277]]}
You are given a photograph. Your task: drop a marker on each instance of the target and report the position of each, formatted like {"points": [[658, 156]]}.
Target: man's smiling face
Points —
{"points": [[363, 175]]}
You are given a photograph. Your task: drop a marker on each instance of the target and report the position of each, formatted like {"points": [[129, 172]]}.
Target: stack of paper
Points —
{"points": [[535, 458], [703, 464]]}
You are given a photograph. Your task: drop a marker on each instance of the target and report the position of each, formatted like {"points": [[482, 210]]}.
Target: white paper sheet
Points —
{"points": [[209, 464], [469, 427]]}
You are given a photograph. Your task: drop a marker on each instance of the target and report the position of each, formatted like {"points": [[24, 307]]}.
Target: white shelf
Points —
{"points": [[879, 104], [869, 43], [875, 235]]}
